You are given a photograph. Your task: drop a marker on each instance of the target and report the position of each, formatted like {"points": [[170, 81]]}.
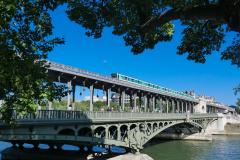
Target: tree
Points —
{"points": [[143, 24], [25, 30]]}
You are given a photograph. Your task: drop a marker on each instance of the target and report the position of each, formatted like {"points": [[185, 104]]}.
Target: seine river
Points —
{"points": [[221, 148]]}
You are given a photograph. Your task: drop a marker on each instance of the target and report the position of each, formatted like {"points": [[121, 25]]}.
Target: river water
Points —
{"points": [[221, 148]]}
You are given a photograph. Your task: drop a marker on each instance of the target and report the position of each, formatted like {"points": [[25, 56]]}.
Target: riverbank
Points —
{"points": [[229, 129]]}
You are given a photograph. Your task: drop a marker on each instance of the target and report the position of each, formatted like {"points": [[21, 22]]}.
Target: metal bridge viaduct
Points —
{"points": [[131, 130]]}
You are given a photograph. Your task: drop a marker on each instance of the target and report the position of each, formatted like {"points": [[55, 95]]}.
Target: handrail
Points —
{"points": [[90, 116]]}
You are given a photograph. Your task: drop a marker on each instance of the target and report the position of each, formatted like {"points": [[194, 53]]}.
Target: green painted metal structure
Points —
{"points": [[126, 129]]}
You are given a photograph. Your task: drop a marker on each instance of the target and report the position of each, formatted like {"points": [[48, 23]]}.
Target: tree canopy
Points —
{"points": [[25, 30], [143, 24], [26, 37]]}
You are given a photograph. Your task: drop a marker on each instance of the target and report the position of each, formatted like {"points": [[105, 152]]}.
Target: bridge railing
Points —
{"points": [[91, 116]]}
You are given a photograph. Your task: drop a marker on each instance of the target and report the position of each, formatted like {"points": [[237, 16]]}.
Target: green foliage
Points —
{"points": [[25, 40], [206, 23], [83, 105]]}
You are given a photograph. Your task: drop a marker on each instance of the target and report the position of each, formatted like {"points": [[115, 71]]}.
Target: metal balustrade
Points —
{"points": [[79, 115]]}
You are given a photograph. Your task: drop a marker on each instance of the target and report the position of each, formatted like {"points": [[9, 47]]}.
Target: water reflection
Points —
{"points": [[14, 153], [67, 152]]}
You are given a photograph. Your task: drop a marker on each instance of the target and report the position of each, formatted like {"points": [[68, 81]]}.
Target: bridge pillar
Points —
{"points": [[131, 102], [161, 104], [119, 99], [69, 107], [108, 97], [118, 133], [153, 103], [178, 107], [167, 104], [186, 106], [91, 97], [140, 102], [148, 104], [123, 100], [192, 109], [145, 103], [182, 106], [135, 102], [173, 107], [71, 96]]}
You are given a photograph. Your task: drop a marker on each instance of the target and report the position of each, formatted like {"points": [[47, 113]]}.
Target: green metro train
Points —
{"points": [[150, 85]]}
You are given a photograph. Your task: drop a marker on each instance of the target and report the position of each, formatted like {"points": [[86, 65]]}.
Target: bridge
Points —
{"points": [[125, 129], [168, 101], [158, 109]]}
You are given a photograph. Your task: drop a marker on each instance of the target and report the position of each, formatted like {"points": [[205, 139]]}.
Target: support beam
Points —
{"points": [[182, 106], [108, 97], [73, 96], [135, 102], [178, 107], [161, 104], [131, 102], [140, 102], [70, 95], [153, 103], [167, 104], [173, 106], [91, 98], [145, 103], [123, 100], [148, 104], [119, 100]]}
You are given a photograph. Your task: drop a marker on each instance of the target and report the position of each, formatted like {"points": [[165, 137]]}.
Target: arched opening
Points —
{"points": [[133, 126], [165, 123], [155, 127], [123, 130], [160, 124], [67, 131], [142, 127], [85, 132], [113, 132], [149, 128], [100, 132]]}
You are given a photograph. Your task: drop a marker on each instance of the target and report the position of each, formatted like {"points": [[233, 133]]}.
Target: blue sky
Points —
{"points": [[161, 65]]}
